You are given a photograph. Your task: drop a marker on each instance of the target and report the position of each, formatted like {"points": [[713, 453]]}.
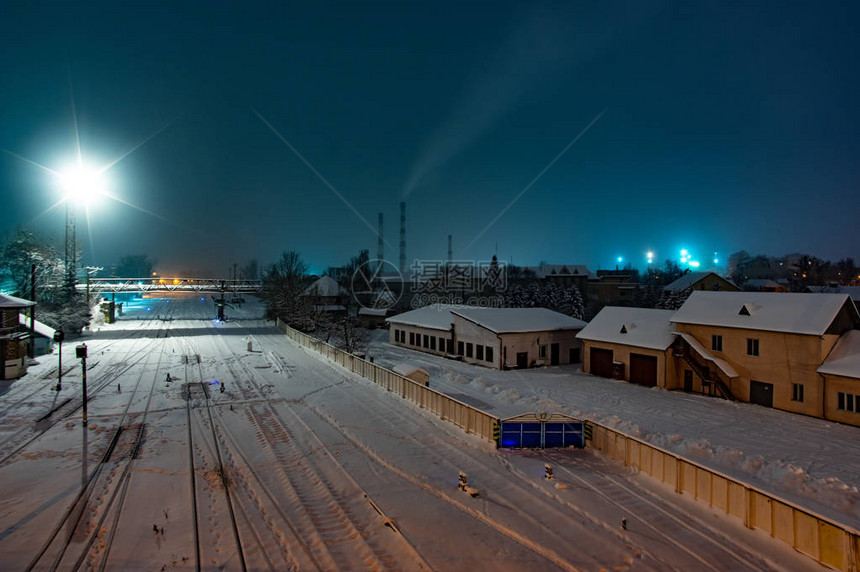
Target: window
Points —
{"points": [[441, 344], [752, 346], [459, 348], [847, 401], [796, 392], [433, 343], [411, 338], [449, 344], [543, 351], [479, 352], [468, 349], [717, 343], [426, 341], [489, 354], [396, 335]]}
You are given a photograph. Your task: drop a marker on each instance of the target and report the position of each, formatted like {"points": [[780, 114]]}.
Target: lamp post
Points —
{"points": [[81, 352], [59, 336]]}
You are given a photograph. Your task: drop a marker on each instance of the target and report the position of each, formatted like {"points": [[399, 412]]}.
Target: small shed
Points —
{"points": [[372, 318], [13, 338], [413, 372]]}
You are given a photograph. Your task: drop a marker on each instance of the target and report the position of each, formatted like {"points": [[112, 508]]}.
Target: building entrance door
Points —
{"points": [[761, 393], [522, 360]]}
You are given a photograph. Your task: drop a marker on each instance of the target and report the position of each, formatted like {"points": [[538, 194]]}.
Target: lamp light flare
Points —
{"points": [[81, 184]]}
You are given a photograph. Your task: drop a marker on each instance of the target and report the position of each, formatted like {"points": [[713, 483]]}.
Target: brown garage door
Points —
{"points": [[601, 362], [643, 370]]}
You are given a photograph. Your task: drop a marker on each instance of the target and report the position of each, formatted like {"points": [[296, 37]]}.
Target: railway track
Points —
{"points": [[100, 499]]}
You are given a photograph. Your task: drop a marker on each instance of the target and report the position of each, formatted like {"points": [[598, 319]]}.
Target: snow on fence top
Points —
{"points": [[641, 327], [498, 320], [844, 360], [793, 313]]}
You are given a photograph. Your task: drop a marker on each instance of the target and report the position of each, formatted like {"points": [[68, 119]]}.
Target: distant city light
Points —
{"points": [[694, 263], [716, 260], [684, 252], [620, 258]]}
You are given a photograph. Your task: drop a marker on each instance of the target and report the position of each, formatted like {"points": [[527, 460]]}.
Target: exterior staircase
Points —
{"points": [[681, 350]]}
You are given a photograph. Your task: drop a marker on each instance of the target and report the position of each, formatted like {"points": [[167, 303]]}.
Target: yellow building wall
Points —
{"points": [[833, 384], [621, 353], [783, 360]]}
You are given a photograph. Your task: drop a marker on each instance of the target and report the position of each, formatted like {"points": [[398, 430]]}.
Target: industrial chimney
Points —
{"points": [[403, 238], [450, 251]]}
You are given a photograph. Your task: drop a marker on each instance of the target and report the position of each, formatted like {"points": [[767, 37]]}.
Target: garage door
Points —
{"points": [[643, 370], [601, 362]]}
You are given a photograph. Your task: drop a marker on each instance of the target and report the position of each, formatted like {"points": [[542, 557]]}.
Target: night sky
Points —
{"points": [[723, 127]]}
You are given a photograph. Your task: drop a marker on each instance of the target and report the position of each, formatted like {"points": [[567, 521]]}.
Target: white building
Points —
{"points": [[501, 338]]}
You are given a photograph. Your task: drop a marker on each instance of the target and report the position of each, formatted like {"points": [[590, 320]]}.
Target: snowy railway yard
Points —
{"points": [[268, 457]]}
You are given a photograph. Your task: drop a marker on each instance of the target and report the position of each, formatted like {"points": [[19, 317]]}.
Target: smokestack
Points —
{"points": [[403, 238], [450, 251], [380, 249]]}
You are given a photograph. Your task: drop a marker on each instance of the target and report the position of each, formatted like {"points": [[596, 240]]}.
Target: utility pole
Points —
{"points": [[32, 311]]}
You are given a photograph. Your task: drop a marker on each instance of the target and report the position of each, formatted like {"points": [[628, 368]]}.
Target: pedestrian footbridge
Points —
{"points": [[202, 285]]}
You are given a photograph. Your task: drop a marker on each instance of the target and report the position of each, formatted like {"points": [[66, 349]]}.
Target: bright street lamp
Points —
{"points": [[81, 185]]}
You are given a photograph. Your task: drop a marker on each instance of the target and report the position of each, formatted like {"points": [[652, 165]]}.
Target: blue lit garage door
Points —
{"points": [[541, 432]]}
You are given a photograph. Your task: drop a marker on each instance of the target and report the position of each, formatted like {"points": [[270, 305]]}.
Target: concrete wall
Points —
{"points": [[419, 331], [471, 333], [530, 342]]}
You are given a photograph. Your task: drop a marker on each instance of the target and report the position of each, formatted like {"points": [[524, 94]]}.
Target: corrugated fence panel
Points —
{"points": [[469, 418], [829, 542]]}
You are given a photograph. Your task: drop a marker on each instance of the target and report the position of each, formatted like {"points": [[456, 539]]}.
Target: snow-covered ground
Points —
{"points": [[298, 464], [813, 462]]}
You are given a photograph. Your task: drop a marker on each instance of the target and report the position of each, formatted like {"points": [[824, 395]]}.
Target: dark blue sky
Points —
{"points": [[725, 127]]}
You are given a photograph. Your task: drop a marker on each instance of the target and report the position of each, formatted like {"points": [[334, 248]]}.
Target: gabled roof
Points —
{"points": [[640, 327], [687, 281], [794, 313], [407, 369], [11, 302], [844, 359], [498, 320], [513, 320], [435, 316], [324, 286]]}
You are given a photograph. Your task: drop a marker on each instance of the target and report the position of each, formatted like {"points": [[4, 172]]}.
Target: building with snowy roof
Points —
{"points": [[326, 295], [633, 344], [853, 291], [705, 280], [761, 347], [14, 338], [493, 337], [840, 374]]}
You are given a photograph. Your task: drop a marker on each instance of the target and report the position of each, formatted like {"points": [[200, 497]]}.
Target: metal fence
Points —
{"points": [[468, 418], [827, 541]]}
